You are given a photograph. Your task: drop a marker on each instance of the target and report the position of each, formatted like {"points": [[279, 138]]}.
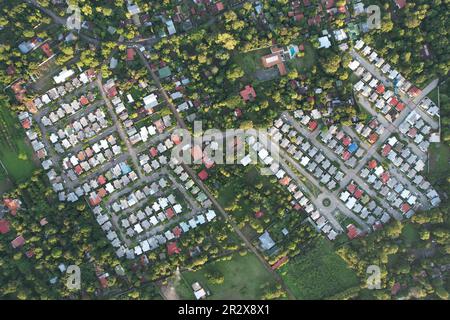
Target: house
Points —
{"points": [[203, 175], [352, 231], [324, 42], [248, 94], [4, 226], [400, 3], [130, 54], [133, 9], [18, 242], [199, 292], [164, 72], [266, 241], [340, 35], [274, 59], [13, 205]]}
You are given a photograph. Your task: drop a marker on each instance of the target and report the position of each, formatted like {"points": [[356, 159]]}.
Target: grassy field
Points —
{"points": [[250, 61], [410, 234], [244, 278], [318, 273], [12, 144], [438, 162], [306, 62]]}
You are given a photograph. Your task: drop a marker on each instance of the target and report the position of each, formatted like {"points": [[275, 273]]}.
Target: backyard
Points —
{"points": [[16, 157], [244, 278], [318, 273], [438, 162], [305, 63]]}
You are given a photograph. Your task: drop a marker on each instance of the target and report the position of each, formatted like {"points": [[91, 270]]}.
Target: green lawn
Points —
{"points": [[305, 63], [438, 162], [12, 144], [250, 61], [410, 234], [318, 273], [244, 278]]}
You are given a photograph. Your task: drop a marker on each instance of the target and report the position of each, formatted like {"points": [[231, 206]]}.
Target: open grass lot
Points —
{"points": [[12, 144], [444, 98], [410, 234], [438, 162], [250, 61], [318, 273], [244, 278], [305, 63]]}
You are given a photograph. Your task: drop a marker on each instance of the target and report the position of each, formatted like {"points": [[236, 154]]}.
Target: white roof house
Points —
{"points": [[324, 42]]}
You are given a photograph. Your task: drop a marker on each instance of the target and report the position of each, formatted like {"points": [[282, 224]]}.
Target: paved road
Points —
{"points": [[411, 104], [349, 173], [163, 92], [237, 230], [193, 175], [120, 129]]}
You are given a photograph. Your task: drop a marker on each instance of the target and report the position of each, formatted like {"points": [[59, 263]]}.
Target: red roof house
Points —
{"points": [[400, 106], [285, 180], [26, 123], [393, 102], [130, 54], [380, 89], [372, 164], [385, 177], [177, 231], [176, 139], [102, 193], [203, 175], [153, 152], [103, 279], [172, 248], [248, 93], [346, 155], [312, 125], [112, 92], [84, 101], [405, 207], [414, 91], [47, 50], [386, 150], [219, 6], [18, 242], [101, 180], [95, 201], [170, 213], [12, 204], [358, 194], [351, 188], [4, 226], [346, 141], [373, 138], [78, 169], [412, 132], [352, 232], [400, 3], [259, 214]]}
